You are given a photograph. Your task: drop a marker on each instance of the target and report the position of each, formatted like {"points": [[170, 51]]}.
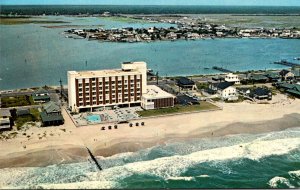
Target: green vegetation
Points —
{"points": [[202, 85], [178, 109], [16, 101], [124, 19], [21, 120], [265, 21], [12, 21]]}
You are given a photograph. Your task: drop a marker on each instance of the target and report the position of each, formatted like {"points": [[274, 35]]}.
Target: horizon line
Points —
{"points": [[147, 5]]}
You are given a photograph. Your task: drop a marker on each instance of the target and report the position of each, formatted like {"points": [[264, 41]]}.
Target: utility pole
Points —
{"points": [[157, 78], [61, 89]]}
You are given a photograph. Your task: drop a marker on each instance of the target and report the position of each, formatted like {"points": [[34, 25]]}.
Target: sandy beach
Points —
{"points": [[67, 143]]}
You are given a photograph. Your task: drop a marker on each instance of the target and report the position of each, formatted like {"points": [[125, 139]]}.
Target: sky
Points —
{"points": [[154, 2]]}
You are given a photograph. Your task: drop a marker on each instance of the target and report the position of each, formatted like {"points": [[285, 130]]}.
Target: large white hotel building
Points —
{"points": [[125, 87]]}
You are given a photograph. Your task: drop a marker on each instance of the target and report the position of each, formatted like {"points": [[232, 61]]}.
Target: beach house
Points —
{"points": [[186, 83], [41, 96], [232, 78], [286, 75], [51, 114], [225, 90], [5, 119]]}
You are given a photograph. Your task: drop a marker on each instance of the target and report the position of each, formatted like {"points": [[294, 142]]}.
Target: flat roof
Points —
{"points": [[97, 73], [154, 92]]}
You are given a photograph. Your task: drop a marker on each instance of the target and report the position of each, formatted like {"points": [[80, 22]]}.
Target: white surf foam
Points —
{"points": [[181, 178], [175, 165], [276, 181]]}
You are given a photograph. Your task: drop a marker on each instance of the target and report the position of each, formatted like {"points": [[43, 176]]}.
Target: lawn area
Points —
{"points": [[178, 109], [21, 120], [16, 101]]}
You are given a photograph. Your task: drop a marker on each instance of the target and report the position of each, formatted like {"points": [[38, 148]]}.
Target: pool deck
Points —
{"points": [[107, 116]]}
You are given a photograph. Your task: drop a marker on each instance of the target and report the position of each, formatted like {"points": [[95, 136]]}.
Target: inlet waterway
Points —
{"points": [[33, 55]]}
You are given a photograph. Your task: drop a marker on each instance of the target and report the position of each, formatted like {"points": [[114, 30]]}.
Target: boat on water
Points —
{"points": [[297, 58]]}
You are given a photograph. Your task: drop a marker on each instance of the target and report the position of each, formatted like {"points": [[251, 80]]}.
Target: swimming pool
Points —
{"points": [[94, 118]]}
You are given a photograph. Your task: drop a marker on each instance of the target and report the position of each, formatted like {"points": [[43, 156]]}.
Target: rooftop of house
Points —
{"points": [[51, 117], [154, 92], [258, 77], [23, 112], [222, 85], [271, 74], [260, 91], [185, 81], [4, 113], [284, 72], [41, 91], [51, 107]]}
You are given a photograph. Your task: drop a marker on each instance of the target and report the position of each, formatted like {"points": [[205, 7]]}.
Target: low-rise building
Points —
{"points": [[51, 115], [286, 75], [41, 96], [156, 98], [5, 120], [225, 90], [261, 94], [232, 78], [186, 83]]}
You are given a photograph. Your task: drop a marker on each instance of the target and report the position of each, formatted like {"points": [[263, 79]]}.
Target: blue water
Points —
{"points": [[94, 118], [32, 55], [270, 160]]}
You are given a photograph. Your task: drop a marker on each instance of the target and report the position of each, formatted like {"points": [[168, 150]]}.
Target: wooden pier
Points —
{"points": [[94, 159], [222, 69], [286, 63]]}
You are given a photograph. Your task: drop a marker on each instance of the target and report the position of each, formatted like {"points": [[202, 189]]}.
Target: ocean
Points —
{"points": [[32, 55], [270, 160]]}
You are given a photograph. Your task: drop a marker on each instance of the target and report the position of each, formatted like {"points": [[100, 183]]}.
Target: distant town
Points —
{"points": [[187, 28]]}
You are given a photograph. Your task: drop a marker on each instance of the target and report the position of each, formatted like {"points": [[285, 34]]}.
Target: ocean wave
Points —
{"points": [[203, 176], [82, 175], [295, 174], [280, 182], [184, 178], [77, 185], [174, 166]]}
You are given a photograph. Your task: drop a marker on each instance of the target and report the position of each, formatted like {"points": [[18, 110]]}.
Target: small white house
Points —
{"points": [[225, 90], [232, 78]]}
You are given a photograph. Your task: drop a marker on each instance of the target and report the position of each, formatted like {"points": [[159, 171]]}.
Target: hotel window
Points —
{"points": [[113, 82], [113, 96], [100, 83], [94, 98], [137, 98], [94, 102], [106, 92], [100, 97], [119, 82], [80, 85], [94, 93], [119, 91], [106, 82], [100, 102], [80, 89], [131, 94], [131, 81], [132, 85], [87, 94], [87, 84], [80, 99], [80, 105], [80, 94], [126, 99], [94, 88], [107, 101], [125, 81], [120, 100]]}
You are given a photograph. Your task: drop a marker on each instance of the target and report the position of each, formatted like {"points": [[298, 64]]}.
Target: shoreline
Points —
{"points": [[69, 145]]}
